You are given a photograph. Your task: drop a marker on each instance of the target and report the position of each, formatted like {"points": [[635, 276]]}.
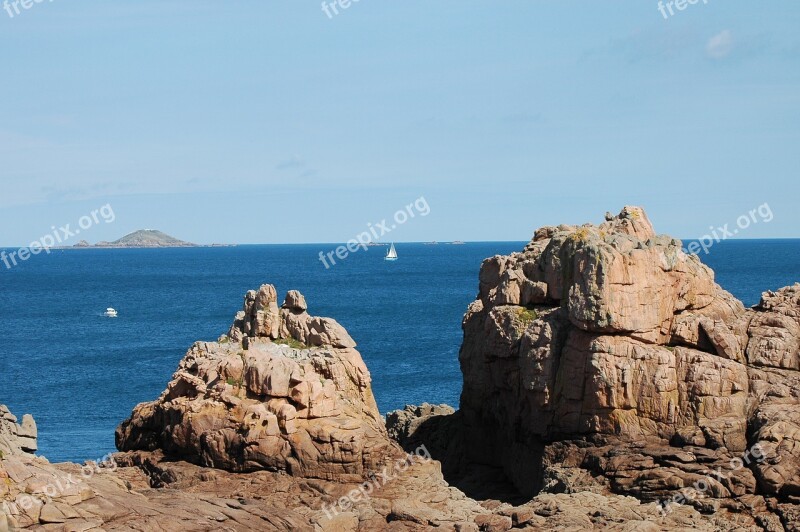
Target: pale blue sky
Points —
{"points": [[265, 121]]}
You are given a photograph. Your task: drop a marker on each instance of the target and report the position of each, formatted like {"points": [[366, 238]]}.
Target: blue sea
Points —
{"points": [[80, 374]]}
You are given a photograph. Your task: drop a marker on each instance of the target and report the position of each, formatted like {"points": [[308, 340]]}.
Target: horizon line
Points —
{"points": [[378, 243]]}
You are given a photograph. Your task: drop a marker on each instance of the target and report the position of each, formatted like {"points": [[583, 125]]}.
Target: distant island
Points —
{"points": [[145, 238]]}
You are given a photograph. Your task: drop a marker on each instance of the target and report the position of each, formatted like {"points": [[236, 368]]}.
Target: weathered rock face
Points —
{"points": [[773, 352], [16, 438], [612, 335], [283, 391], [775, 330]]}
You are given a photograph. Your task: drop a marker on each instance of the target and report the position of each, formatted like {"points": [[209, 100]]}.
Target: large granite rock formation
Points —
{"points": [[282, 391], [606, 358]]}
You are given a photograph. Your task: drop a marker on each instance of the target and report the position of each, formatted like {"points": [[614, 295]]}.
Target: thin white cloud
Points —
{"points": [[720, 46]]}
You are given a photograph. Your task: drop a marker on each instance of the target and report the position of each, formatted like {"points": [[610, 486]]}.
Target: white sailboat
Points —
{"points": [[391, 254]]}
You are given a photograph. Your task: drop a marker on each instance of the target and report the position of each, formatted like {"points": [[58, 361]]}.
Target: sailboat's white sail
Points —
{"points": [[392, 254]]}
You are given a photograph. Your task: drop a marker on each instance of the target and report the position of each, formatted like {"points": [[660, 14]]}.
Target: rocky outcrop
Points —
{"points": [[283, 391], [605, 358], [16, 438]]}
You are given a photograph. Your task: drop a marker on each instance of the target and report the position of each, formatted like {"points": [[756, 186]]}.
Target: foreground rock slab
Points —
{"points": [[143, 491]]}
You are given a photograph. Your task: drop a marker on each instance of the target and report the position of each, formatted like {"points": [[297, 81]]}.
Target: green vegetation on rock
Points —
{"points": [[291, 342]]}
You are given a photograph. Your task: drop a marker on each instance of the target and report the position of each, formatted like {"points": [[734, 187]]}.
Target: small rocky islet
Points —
{"points": [[609, 383], [143, 238]]}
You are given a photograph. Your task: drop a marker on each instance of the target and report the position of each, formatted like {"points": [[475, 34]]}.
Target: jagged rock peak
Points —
{"points": [[262, 318], [618, 277]]}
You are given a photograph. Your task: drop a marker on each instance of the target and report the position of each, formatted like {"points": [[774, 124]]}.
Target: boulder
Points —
{"points": [[295, 301]]}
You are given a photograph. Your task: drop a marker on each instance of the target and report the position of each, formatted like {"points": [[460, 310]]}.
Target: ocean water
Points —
{"points": [[80, 374]]}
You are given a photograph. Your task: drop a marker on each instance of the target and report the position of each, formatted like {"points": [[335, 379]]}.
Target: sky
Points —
{"points": [[269, 121]]}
